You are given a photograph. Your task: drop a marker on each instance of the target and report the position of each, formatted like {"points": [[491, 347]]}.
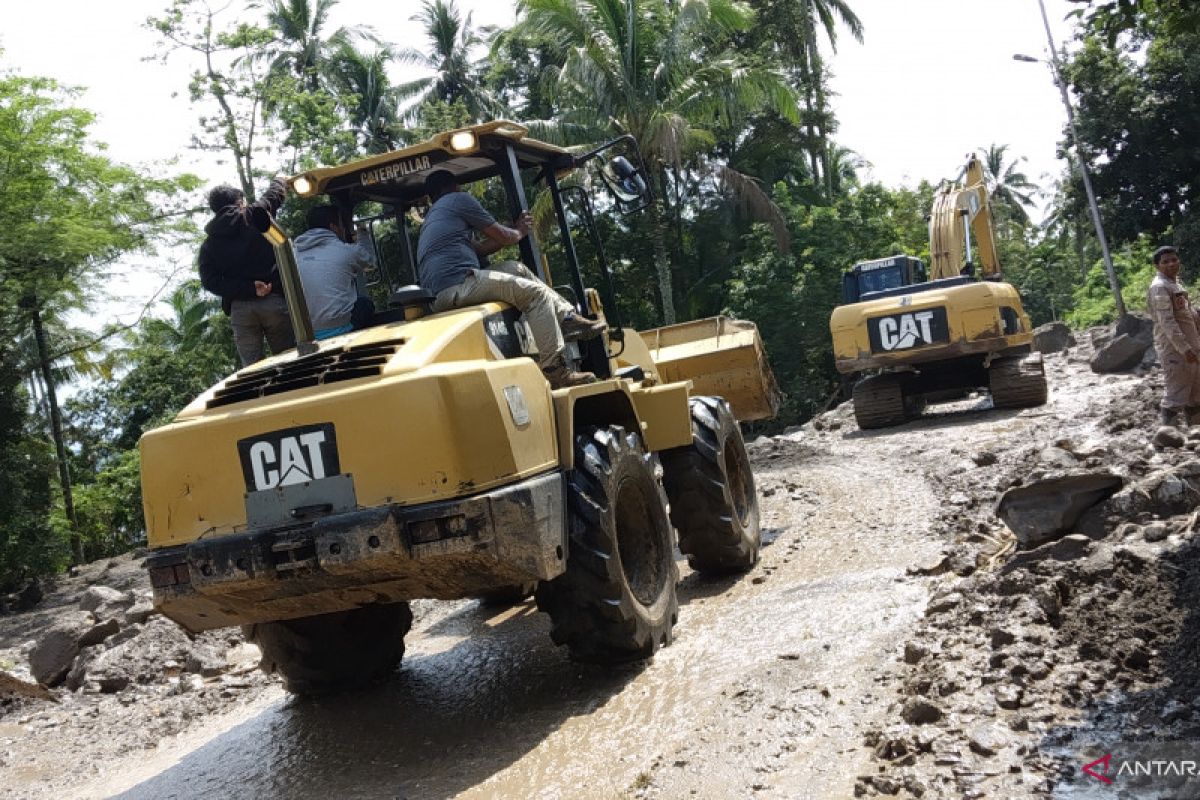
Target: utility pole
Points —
{"points": [[1056, 69]]}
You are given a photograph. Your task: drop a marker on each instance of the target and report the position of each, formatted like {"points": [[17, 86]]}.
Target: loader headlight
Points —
{"points": [[303, 186], [462, 141]]}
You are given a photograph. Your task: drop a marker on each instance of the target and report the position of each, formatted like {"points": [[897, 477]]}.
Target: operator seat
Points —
{"points": [[407, 303]]}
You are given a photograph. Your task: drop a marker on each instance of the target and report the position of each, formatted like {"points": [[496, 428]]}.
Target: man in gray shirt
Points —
{"points": [[331, 269], [448, 263]]}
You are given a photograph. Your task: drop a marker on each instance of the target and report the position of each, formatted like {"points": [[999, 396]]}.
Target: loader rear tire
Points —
{"points": [[329, 652], [1018, 382], [714, 504], [616, 601], [880, 401]]}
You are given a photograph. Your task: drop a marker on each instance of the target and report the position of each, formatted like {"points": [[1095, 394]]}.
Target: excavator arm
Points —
{"points": [[961, 235]]}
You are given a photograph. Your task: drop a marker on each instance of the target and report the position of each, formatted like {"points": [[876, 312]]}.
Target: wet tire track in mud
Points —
{"points": [[767, 688]]}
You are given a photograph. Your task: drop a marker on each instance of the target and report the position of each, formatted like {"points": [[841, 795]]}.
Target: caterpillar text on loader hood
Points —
{"points": [[924, 338], [309, 496]]}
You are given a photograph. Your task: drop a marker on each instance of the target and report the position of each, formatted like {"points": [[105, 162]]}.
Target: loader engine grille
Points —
{"points": [[327, 366]]}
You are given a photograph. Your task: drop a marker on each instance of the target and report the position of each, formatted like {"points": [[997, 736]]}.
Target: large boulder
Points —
{"points": [[29, 597], [55, 650], [1138, 326], [105, 602], [1121, 354], [1053, 337], [1049, 508]]}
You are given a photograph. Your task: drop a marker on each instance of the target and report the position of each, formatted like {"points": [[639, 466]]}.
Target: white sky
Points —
{"points": [[933, 80]]}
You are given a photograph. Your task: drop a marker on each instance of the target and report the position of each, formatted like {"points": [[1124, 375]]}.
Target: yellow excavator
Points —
{"points": [[919, 336]]}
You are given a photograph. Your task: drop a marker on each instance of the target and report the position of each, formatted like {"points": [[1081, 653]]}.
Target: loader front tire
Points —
{"points": [[329, 652], [714, 503], [616, 601]]}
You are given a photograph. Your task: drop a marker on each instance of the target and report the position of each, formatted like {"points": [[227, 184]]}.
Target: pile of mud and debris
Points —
{"points": [[1064, 630], [93, 653]]}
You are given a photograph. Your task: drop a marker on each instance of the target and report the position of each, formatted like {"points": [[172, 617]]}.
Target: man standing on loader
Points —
{"points": [[448, 261], [238, 265], [1176, 339]]}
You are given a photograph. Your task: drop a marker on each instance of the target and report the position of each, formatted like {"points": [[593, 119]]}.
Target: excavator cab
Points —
{"points": [[866, 279]]}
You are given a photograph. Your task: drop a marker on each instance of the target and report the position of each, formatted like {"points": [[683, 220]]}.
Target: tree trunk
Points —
{"points": [[817, 70], [1080, 241], [810, 105], [56, 431], [662, 264]]}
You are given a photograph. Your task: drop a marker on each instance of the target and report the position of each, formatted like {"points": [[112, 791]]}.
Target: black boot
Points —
{"points": [[577, 328], [1173, 417], [1192, 414]]}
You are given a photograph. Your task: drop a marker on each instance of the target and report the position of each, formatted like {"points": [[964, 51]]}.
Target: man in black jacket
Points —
{"points": [[238, 265]]}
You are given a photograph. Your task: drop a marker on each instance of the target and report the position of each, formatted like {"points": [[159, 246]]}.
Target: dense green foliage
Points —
{"points": [[1139, 120], [67, 213], [758, 208]]}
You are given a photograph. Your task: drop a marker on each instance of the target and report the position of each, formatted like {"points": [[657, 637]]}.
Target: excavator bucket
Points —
{"points": [[720, 356]]}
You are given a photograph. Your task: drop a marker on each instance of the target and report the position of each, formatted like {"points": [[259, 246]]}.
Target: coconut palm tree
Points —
{"points": [[791, 30], [360, 80], [826, 13], [650, 68], [302, 49], [1010, 190], [195, 321], [455, 76], [843, 168]]}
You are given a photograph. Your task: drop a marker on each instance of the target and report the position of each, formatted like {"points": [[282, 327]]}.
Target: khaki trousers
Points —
{"points": [[1182, 380], [510, 282]]}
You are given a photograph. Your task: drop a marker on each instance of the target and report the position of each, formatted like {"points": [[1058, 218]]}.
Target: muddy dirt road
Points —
{"points": [[771, 684], [764, 688]]}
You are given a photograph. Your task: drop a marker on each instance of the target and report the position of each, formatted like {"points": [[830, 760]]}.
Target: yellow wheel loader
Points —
{"points": [[913, 337], [309, 496]]}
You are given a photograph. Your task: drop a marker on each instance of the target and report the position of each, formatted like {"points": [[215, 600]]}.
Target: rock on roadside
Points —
{"points": [[1123, 353], [1042, 510], [1053, 337], [54, 653]]}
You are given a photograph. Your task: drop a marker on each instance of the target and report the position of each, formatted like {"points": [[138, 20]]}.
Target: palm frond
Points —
{"points": [[754, 201]]}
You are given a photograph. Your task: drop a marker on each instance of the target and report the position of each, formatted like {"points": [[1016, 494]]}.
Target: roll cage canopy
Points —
{"points": [[398, 178], [499, 149]]}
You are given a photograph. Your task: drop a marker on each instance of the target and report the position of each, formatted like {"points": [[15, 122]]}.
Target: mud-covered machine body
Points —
{"points": [[911, 336], [308, 496]]}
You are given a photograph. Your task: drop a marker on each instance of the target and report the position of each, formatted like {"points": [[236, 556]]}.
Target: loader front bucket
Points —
{"points": [[720, 356]]}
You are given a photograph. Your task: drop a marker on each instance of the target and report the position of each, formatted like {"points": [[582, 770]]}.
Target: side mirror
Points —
{"points": [[627, 184]]}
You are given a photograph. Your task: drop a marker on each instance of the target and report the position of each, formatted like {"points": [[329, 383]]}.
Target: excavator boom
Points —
{"points": [[961, 238]]}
